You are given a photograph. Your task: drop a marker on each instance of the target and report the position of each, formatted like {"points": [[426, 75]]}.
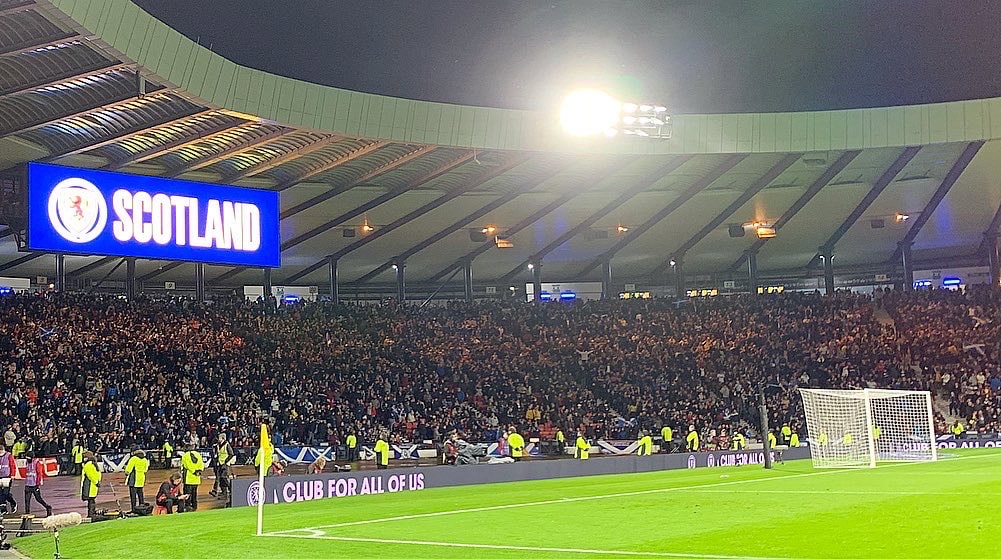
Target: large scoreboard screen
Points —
{"points": [[82, 211]]}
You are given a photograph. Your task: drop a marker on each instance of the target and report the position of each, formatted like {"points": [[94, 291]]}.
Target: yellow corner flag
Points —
{"points": [[265, 438], [264, 457]]}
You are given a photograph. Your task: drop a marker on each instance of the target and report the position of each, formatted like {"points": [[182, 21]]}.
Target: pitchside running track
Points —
{"points": [[792, 512]]}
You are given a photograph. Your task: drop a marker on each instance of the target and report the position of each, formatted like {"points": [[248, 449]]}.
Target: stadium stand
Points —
{"points": [[117, 374]]}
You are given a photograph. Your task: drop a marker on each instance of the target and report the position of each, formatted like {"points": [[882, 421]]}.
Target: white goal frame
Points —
{"points": [[859, 428]]}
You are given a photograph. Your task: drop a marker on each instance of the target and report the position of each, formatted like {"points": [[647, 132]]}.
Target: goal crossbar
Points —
{"points": [[860, 428]]}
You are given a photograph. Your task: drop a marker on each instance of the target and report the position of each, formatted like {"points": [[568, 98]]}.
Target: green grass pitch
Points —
{"points": [[935, 510]]}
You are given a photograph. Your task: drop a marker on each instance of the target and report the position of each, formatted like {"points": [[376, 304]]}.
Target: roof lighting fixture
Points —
{"points": [[621, 228], [900, 218], [590, 112], [765, 231], [489, 230]]}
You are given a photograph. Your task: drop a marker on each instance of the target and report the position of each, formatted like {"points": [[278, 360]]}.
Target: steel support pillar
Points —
{"points": [[993, 242], [752, 273], [267, 283], [606, 280], [401, 285], [828, 255], [765, 429], [680, 283], [199, 282], [130, 279], [60, 273], [908, 263], [332, 284], [537, 281], [467, 279]]}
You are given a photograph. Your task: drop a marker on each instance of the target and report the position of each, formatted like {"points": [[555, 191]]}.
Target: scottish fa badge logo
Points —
{"points": [[254, 494], [77, 210]]}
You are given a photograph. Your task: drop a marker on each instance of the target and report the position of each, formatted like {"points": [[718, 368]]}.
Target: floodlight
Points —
{"points": [[588, 112]]}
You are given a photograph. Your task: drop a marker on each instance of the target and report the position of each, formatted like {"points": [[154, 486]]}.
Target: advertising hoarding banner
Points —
{"points": [[84, 211], [288, 489], [986, 441]]}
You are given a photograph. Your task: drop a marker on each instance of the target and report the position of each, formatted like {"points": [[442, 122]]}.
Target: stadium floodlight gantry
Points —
{"points": [[371, 185]]}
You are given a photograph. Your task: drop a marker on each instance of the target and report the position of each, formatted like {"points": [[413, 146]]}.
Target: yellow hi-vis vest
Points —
{"points": [[77, 454], [269, 459], [517, 444], [89, 479], [224, 454], [666, 433], [352, 441], [693, 440], [192, 463], [382, 452], [645, 447], [583, 448], [135, 471]]}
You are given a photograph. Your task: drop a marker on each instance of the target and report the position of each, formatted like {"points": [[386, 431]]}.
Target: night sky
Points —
{"points": [[692, 56]]}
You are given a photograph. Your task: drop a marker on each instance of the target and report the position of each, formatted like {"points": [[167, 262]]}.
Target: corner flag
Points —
{"points": [[264, 457]]}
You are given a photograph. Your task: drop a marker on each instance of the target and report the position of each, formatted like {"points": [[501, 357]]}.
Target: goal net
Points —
{"points": [[858, 428]]}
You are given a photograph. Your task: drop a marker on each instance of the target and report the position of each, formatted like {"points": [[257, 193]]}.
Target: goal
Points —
{"points": [[858, 428]]}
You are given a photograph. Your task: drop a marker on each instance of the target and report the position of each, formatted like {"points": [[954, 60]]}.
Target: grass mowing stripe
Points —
{"points": [[577, 551], [612, 495]]}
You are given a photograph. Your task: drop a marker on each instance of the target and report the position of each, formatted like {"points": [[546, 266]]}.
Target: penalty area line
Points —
{"points": [[564, 500], [576, 551]]}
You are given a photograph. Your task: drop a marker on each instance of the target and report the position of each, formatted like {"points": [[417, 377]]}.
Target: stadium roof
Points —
{"points": [[425, 174]]}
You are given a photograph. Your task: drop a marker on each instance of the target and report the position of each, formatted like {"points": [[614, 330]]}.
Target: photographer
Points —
{"points": [[192, 464], [169, 495], [317, 466]]}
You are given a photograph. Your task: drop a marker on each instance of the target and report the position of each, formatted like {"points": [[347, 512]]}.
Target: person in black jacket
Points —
{"points": [[169, 495]]}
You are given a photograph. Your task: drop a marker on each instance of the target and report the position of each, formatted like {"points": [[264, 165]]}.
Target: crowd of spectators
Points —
{"points": [[116, 374]]}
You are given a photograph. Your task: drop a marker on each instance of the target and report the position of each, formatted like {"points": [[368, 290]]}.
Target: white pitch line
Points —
{"points": [[821, 492], [607, 496], [525, 548]]}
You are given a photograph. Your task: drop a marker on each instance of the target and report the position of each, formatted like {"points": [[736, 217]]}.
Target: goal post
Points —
{"points": [[858, 428]]}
